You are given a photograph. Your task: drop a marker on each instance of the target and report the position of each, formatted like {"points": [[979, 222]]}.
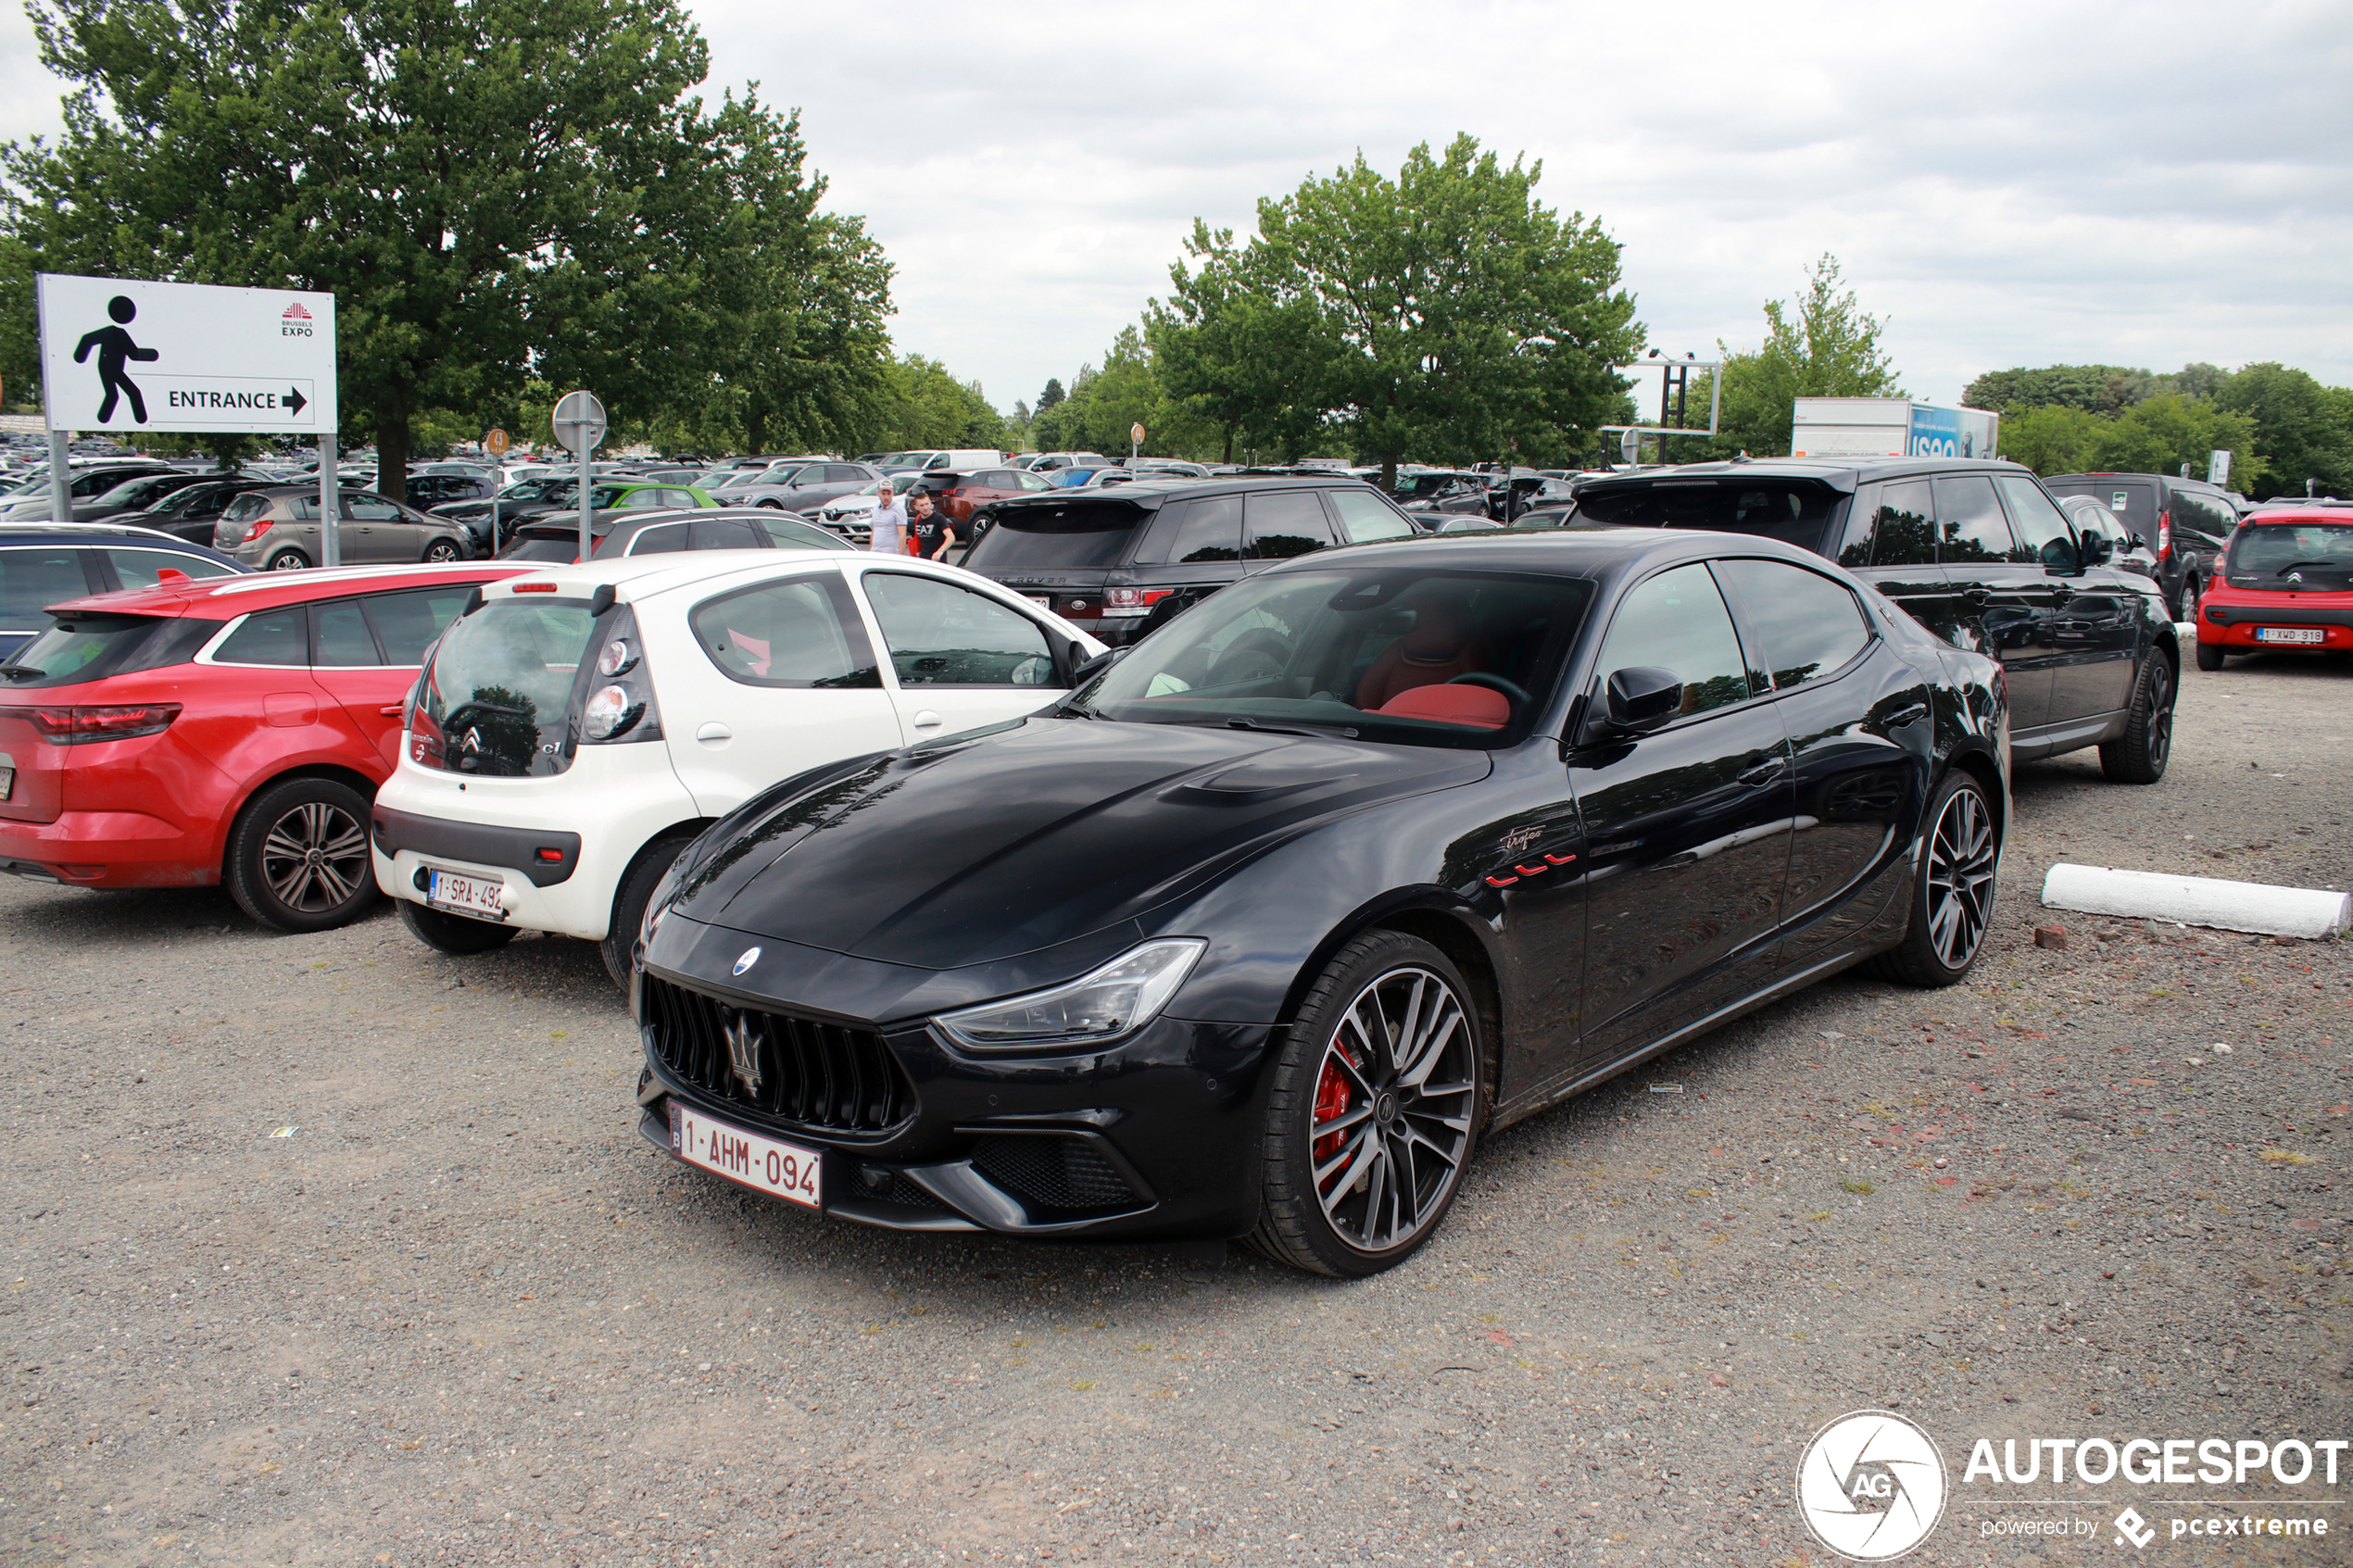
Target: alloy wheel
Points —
{"points": [[1392, 1122], [2160, 717], [315, 858], [1960, 878]]}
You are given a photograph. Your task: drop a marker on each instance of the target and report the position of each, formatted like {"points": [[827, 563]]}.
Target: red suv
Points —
{"points": [[2286, 582], [219, 731]]}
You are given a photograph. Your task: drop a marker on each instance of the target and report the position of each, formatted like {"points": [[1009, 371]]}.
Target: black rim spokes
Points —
{"points": [[1960, 878], [2160, 728], [1393, 1113], [315, 858]]}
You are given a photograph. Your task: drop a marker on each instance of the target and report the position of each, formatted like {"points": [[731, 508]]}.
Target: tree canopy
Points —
{"points": [[1822, 344], [496, 191]]}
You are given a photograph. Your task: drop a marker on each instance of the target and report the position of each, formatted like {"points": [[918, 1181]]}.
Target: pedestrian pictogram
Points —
{"points": [[115, 349]]}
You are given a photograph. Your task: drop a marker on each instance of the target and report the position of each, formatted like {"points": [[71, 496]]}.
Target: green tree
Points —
{"points": [[2165, 431], [2051, 437], [1052, 396], [1452, 314], [1237, 352], [918, 405], [2095, 389], [489, 187], [1820, 344], [2301, 431]]}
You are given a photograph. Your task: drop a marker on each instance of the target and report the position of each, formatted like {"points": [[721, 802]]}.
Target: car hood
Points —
{"points": [[969, 851]]}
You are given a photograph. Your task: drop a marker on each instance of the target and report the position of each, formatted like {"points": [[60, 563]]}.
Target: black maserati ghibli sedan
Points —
{"points": [[1259, 929]]}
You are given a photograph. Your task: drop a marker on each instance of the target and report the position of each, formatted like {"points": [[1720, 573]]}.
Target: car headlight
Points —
{"points": [[1113, 1002]]}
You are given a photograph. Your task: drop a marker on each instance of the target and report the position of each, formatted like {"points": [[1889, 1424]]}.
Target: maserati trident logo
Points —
{"points": [[743, 1050]]}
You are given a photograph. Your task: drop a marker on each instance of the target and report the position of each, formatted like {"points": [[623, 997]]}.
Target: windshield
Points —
{"points": [[1795, 514], [498, 694], [1079, 533], [1418, 657], [2320, 553]]}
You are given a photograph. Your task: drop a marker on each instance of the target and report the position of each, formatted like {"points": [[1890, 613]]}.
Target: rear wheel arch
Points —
{"points": [[351, 776], [1980, 766]]}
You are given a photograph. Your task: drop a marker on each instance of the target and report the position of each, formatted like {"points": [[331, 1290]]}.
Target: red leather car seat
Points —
{"points": [[1442, 646]]}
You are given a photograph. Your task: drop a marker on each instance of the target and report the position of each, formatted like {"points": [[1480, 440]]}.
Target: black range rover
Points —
{"points": [[1981, 555], [1121, 562]]}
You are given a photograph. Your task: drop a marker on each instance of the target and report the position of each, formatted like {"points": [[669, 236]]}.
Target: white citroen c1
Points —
{"points": [[576, 728]]}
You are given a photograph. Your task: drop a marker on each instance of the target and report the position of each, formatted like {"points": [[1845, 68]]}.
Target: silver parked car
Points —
{"points": [[277, 528]]}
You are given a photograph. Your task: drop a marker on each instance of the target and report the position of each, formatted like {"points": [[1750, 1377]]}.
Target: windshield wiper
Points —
{"points": [[1319, 733], [21, 672], [2300, 565]]}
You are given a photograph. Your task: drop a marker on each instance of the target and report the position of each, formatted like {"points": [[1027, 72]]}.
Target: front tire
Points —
{"points": [[2209, 656], [443, 551], [629, 901], [2147, 743], [297, 857], [1379, 1098], [1953, 895], [453, 934]]}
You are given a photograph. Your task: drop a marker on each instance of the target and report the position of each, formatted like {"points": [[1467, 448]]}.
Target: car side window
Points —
{"points": [[682, 499], [940, 635], [406, 623], [1364, 518], [1281, 524], [842, 473], [2043, 535], [1206, 529], [1904, 526], [803, 631], [340, 637], [1969, 524], [32, 578], [723, 533], [370, 509], [786, 535], [1032, 482], [143, 568], [1676, 621], [659, 541], [1799, 625], [268, 636]]}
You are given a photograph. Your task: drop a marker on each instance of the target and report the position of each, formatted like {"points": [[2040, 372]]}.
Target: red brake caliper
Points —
{"points": [[1331, 1103]]}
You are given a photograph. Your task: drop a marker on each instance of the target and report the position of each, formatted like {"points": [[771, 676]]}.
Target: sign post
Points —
{"points": [[126, 356], [580, 427]]}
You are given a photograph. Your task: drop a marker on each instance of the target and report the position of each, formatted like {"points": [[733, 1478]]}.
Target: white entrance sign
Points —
{"points": [[118, 354]]}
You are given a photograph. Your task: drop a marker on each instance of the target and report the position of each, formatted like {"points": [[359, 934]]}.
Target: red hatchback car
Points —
{"points": [[219, 731], [2286, 582]]}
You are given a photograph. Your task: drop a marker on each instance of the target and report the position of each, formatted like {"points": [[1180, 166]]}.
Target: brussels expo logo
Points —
{"points": [[1871, 1485]]}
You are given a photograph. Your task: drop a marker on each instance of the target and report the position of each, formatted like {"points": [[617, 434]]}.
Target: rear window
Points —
{"points": [[90, 647], [1071, 534], [1802, 515], [2320, 554], [2131, 501], [35, 578], [497, 694], [245, 507], [544, 546]]}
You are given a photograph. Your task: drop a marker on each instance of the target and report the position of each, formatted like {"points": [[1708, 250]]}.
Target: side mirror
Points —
{"points": [[2139, 542], [1642, 698], [1095, 666], [2096, 549]]}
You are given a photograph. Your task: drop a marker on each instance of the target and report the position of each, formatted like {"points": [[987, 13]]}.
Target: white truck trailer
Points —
{"points": [[1890, 427]]}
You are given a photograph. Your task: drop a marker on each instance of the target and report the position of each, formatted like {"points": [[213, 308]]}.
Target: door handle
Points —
{"points": [[1977, 595], [2063, 594], [391, 709], [927, 719], [1906, 715], [1764, 773]]}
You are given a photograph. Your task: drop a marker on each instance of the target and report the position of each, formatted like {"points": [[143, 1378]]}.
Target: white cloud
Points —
{"points": [[2008, 183]]}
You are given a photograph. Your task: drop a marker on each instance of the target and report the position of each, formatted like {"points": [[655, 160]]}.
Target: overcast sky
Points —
{"points": [[2005, 184]]}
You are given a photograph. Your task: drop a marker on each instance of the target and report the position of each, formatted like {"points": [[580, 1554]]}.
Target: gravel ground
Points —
{"points": [[332, 1250]]}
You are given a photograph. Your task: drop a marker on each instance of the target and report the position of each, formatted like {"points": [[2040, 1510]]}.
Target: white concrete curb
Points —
{"points": [[2198, 900]]}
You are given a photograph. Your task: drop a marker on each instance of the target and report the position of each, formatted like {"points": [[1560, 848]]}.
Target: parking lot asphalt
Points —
{"points": [[330, 1250]]}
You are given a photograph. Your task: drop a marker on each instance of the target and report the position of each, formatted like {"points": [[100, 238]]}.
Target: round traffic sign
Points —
{"points": [[580, 422], [495, 443], [1136, 433]]}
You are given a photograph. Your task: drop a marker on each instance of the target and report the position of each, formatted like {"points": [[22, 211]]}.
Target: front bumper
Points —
{"points": [[1153, 1138]]}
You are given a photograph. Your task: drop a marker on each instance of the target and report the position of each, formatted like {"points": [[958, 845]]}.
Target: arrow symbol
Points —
{"points": [[295, 401]]}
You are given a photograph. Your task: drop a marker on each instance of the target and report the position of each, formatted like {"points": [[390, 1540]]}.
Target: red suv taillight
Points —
{"points": [[82, 725]]}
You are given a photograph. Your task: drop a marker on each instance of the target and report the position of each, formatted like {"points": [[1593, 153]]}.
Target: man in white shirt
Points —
{"points": [[889, 537]]}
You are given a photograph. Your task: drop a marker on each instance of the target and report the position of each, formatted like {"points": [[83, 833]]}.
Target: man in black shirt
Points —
{"points": [[932, 528]]}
